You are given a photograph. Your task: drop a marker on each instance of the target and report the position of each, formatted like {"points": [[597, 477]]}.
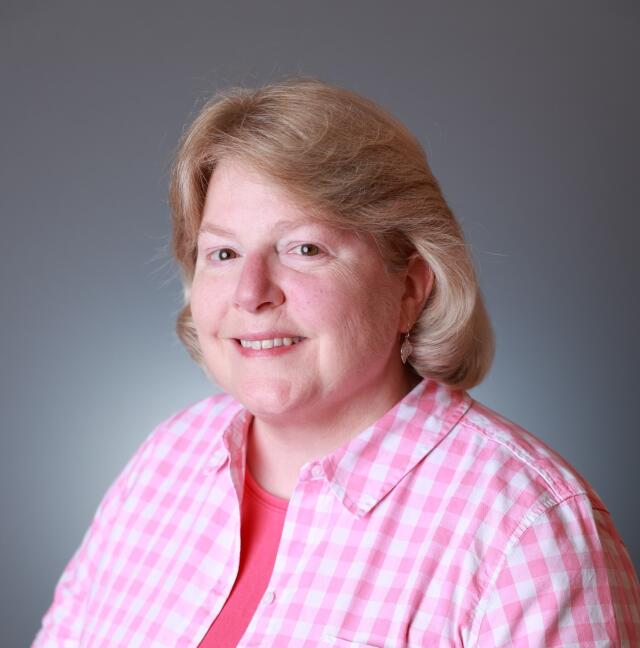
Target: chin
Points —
{"points": [[265, 398]]}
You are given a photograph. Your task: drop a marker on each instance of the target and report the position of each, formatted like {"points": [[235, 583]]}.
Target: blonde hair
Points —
{"points": [[353, 165]]}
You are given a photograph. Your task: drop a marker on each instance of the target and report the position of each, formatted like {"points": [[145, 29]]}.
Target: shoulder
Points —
{"points": [[209, 414], [521, 456], [544, 534], [495, 480], [182, 440]]}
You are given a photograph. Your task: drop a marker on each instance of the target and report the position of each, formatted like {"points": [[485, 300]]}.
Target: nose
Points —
{"points": [[257, 288]]}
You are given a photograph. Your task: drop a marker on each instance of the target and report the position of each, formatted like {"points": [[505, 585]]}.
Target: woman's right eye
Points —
{"points": [[223, 254]]}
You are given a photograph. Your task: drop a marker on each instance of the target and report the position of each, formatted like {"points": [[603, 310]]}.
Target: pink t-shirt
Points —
{"points": [[262, 521]]}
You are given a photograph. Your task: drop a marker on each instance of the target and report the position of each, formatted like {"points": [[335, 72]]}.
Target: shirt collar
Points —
{"points": [[369, 466], [366, 468]]}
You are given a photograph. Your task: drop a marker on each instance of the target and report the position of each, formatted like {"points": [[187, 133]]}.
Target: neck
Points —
{"points": [[277, 449]]}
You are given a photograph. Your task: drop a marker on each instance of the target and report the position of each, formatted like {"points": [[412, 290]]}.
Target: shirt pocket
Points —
{"points": [[337, 642]]}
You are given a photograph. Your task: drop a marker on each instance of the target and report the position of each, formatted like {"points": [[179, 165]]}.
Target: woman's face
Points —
{"points": [[294, 318]]}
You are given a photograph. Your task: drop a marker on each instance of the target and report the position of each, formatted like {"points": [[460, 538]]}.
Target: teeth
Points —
{"points": [[269, 344]]}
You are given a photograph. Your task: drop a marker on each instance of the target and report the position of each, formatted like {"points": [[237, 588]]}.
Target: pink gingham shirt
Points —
{"points": [[440, 525]]}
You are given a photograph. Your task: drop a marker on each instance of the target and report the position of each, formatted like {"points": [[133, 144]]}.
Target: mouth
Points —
{"points": [[269, 343]]}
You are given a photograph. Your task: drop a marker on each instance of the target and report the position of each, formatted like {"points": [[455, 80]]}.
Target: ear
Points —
{"points": [[418, 285]]}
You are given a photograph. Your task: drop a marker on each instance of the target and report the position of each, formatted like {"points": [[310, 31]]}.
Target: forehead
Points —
{"points": [[238, 195], [235, 186]]}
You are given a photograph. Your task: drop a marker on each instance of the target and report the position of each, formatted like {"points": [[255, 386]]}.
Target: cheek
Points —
{"points": [[354, 309], [206, 303], [321, 304], [197, 302]]}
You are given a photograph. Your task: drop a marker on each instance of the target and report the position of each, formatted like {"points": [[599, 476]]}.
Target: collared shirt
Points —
{"points": [[442, 524]]}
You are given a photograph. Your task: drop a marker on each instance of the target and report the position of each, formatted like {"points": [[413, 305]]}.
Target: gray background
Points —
{"points": [[529, 112]]}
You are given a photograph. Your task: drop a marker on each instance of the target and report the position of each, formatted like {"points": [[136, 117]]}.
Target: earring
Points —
{"points": [[406, 349]]}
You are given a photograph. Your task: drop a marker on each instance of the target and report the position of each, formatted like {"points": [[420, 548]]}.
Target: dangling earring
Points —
{"points": [[406, 349]]}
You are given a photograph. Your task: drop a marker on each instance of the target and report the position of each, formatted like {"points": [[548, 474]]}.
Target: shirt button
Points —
{"points": [[368, 501], [316, 471], [216, 461], [269, 597]]}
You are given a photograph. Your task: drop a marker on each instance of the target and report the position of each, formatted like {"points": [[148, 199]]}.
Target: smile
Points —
{"points": [[270, 343]]}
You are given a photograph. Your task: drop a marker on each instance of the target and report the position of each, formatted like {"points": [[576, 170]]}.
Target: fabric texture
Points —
{"points": [[442, 524], [261, 528]]}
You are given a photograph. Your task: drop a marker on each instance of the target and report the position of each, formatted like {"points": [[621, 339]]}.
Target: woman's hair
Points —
{"points": [[352, 164]]}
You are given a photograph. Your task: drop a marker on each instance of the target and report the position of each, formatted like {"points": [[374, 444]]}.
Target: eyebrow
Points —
{"points": [[208, 228], [282, 224]]}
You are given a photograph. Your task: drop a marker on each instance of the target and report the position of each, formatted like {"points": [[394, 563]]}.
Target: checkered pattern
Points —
{"points": [[441, 525]]}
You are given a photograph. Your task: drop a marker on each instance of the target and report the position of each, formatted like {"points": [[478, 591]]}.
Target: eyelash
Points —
{"points": [[215, 255]]}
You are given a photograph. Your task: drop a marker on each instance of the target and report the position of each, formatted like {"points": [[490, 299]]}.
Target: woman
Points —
{"points": [[344, 490]]}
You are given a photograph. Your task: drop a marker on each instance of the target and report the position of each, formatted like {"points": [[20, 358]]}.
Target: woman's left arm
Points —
{"points": [[566, 580]]}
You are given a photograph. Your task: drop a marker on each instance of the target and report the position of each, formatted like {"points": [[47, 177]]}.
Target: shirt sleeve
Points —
{"points": [[63, 624], [567, 580]]}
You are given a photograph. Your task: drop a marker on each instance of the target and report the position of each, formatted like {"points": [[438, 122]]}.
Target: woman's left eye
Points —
{"points": [[307, 249]]}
